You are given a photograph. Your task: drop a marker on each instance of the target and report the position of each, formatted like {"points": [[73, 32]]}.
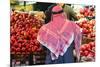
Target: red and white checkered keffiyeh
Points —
{"points": [[58, 35]]}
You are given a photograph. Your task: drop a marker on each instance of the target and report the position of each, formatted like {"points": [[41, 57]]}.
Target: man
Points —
{"points": [[70, 14]]}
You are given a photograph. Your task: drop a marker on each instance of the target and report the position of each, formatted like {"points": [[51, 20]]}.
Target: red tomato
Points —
{"points": [[88, 47], [86, 53], [92, 44], [81, 53], [91, 54], [24, 29], [81, 11], [85, 25], [83, 48]]}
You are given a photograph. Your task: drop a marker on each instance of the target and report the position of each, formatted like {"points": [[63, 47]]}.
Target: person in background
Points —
{"points": [[48, 13], [59, 36], [70, 14]]}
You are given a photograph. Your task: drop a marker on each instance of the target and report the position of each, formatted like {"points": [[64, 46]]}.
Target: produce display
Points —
{"points": [[23, 32], [24, 27], [86, 16], [87, 21], [87, 52], [88, 28], [87, 11]]}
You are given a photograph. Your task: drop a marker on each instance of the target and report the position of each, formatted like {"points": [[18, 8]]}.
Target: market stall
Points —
{"points": [[86, 20], [24, 26]]}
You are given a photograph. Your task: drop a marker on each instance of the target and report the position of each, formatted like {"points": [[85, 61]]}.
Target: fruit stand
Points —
{"points": [[23, 34], [86, 20], [24, 26]]}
